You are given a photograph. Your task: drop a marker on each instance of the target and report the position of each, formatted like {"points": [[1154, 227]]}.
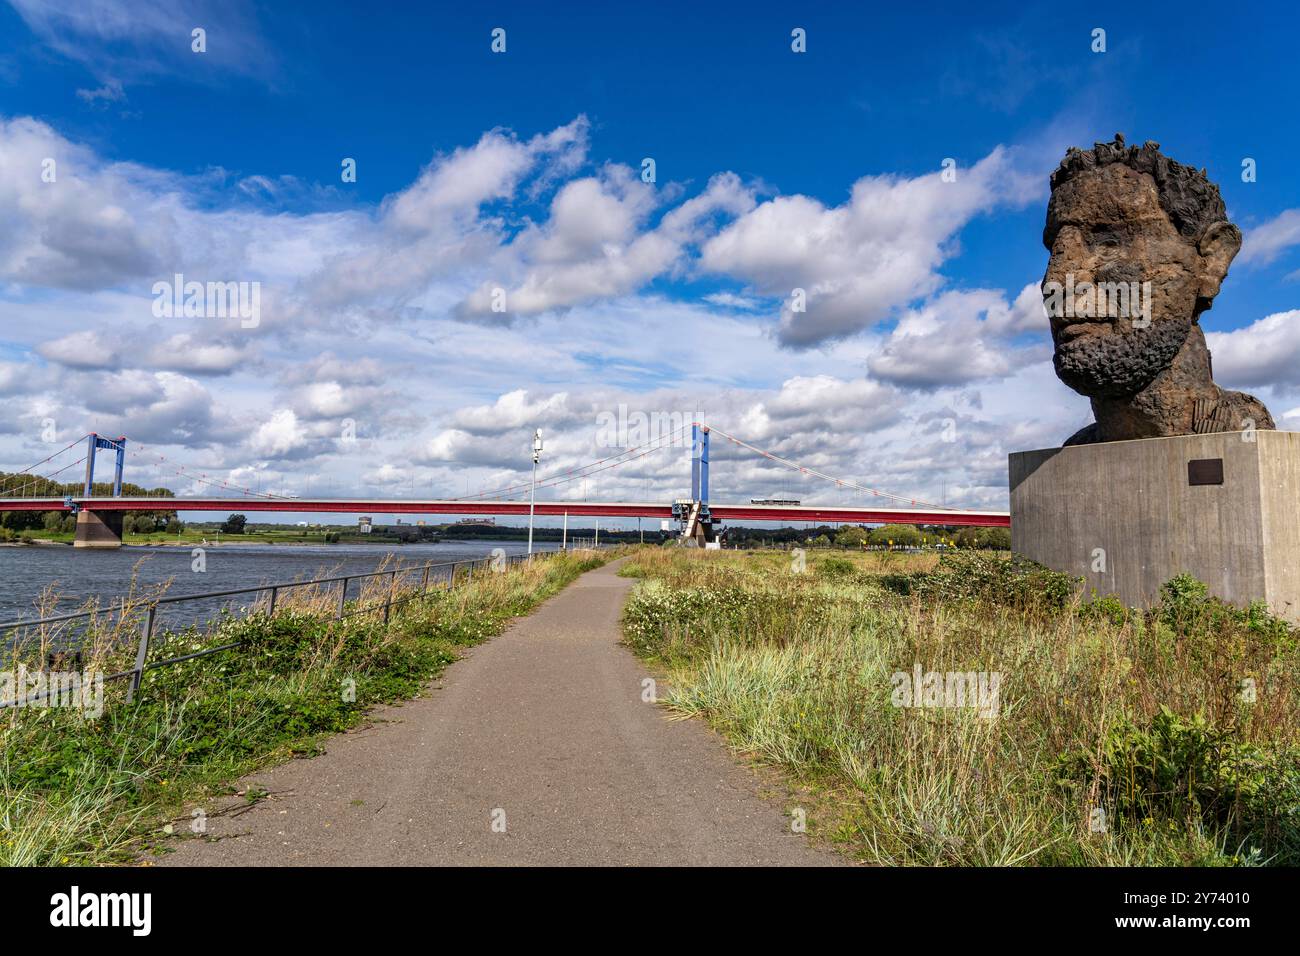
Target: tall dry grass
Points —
{"points": [[797, 670]]}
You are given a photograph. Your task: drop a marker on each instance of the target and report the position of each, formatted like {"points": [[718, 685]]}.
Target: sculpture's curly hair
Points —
{"points": [[1187, 196]]}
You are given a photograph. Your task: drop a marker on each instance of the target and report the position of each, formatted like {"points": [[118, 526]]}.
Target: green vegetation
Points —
{"points": [[855, 537], [78, 790], [234, 524], [1119, 737]]}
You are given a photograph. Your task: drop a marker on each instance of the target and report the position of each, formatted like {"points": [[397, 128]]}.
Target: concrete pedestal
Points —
{"points": [[98, 529], [1128, 516]]}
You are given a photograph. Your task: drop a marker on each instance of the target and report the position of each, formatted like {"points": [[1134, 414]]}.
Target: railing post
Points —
{"points": [[469, 573], [343, 596], [388, 601], [424, 582], [274, 593], [141, 653]]}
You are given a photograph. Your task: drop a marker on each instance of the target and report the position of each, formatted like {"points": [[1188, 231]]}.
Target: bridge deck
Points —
{"points": [[575, 509]]}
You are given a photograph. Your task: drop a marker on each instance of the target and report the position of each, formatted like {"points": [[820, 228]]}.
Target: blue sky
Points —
{"points": [[226, 164]]}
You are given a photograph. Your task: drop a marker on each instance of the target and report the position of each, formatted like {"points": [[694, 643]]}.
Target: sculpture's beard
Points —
{"points": [[1106, 362]]}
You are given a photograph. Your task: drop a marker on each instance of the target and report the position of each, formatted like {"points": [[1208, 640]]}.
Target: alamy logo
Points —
{"points": [[212, 300], [1098, 300], [624, 429], [978, 690], [103, 909], [47, 689]]}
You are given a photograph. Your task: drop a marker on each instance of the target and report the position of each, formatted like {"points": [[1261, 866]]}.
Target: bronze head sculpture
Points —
{"points": [[1140, 245]]}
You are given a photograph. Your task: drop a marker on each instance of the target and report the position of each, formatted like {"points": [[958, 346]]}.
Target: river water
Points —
{"points": [[77, 574]]}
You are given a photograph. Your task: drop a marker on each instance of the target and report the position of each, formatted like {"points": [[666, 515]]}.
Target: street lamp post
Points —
{"points": [[532, 492]]}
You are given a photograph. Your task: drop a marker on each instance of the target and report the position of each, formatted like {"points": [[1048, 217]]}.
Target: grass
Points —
{"points": [[84, 791], [1168, 737]]}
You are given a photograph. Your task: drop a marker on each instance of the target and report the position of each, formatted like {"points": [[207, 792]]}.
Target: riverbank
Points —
{"points": [[265, 539], [970, 711], [88, 791], [195, 539]]}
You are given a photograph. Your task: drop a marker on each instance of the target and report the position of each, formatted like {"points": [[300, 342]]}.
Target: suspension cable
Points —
{"points": [[842, 482]]}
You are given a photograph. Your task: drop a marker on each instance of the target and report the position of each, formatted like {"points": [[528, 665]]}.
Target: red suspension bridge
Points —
{"points": [[99, 517]]}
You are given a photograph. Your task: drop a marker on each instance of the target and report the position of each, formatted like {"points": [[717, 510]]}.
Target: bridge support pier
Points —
{"points": [[98, 529], [699, 522]]}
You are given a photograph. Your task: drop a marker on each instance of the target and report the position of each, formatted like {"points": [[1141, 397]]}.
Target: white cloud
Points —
{"points": [[729, 300], [92, 227], [140, 39], [517, 409], [962, 337], [860, 261], [388, 476], [334, 401], [592, 247], [280, 436], [458, 184], [155, 408], [110, 92], [88, 349], [1266, 352], [1264, 243], [184, 352], [191, 353]]}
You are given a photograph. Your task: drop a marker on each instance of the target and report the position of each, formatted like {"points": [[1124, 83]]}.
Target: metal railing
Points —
{"points": [[142, 664]]}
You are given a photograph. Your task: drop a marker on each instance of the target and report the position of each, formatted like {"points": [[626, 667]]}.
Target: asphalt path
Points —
{"points": [[537, 748]]}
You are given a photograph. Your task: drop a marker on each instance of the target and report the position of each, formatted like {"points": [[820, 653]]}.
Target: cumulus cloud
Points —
{"points": [[513, 410], [960, 337], [1264, 243], [356, 370], [333, 401], [91, 227], [593, 245], [159, 408], [437, 228], [860, 261], [1264, 353], [198, 355], [281, 436], [184, 352], [808, 405], [88, 349]]}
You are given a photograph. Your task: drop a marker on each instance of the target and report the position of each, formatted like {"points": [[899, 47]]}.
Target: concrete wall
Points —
{"points": [[1133, 501], [1279, 481]]}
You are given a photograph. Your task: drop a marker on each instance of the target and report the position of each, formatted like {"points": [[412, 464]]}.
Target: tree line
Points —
{"points": [[17, 485], [889, 535]]}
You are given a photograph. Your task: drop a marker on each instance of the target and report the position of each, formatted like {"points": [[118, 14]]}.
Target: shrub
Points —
{"points": [[1015, 582], [837, 568], [1186, 771]]}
